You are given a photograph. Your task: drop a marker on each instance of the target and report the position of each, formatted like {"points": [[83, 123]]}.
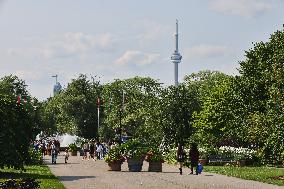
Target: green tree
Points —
{"points": [[18, 125], [74, 109], [137, 111], [177, 107]]}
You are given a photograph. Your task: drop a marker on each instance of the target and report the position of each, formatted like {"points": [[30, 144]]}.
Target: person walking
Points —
{"points": [[86, 149], [54, 153], [180, 157], [194, 157], [66, 155], [92, 150], [99, 150]]}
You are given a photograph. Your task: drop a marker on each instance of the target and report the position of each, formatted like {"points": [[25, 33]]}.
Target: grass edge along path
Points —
{"points": [[261, 174], [39, 172]]}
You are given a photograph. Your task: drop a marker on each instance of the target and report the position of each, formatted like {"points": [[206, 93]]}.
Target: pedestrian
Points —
{"points": [[180, 157], [194, 157], [92, 150], [86, 149], [66, 155], [54, 153], [99, 150]]}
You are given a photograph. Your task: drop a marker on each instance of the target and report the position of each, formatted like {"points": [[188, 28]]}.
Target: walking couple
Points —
{"points": [[193, 157]]}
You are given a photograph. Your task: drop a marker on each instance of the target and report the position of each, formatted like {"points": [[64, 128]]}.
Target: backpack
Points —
{"points": [[199, 168]]}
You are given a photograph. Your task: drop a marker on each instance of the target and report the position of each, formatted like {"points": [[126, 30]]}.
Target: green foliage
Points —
{"points": [[261, 174], [138, 112], [171, 156], [40, 173], [18, 122], [134, 149], [35, 157], [27, 183], [177, 106], [74, 109], [73, 147], [154, 155], [115, 155]]}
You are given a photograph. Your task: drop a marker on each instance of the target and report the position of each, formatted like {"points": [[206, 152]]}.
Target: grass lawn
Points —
{"points": [[39, 172], [262, 174]]}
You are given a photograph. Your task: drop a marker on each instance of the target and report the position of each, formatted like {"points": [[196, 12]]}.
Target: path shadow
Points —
{"points": [[49, 163], [72, 178], [25, 175], [209, 175], [150, 172]]}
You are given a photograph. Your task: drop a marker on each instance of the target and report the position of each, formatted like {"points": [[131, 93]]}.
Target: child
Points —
{"points": [[66, 155]]}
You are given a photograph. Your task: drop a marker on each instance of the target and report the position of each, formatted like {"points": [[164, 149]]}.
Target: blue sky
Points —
{"points": [[121, 39]]}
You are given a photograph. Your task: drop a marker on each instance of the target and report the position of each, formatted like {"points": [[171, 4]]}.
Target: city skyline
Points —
{"points": [[124, 39]]}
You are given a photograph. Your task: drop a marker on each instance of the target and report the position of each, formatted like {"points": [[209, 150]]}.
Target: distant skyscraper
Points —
{"points": [[176, 57], [57, 87]]}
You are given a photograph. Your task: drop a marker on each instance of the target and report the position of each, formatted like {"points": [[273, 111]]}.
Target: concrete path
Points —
{"points": [[89, 174]]}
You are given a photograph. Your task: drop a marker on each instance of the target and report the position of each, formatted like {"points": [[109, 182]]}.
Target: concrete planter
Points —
{"points": [[73, 153], [116, 166], [155, 166], [135, 165]]}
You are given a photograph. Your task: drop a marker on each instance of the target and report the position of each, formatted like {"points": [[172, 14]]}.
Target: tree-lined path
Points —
{"points": [[78, 174]]}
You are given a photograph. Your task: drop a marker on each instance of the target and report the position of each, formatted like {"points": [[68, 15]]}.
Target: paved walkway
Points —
{"points": [[89, 174]]}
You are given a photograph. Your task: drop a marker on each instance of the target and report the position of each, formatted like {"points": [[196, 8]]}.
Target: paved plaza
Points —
{"points": [[89, 174]]}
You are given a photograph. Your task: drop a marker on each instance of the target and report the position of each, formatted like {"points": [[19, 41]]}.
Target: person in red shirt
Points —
{"points": [[194, 157]]}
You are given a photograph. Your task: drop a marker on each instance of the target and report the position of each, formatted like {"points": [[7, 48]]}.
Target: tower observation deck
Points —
{"points": [[176, 57]]}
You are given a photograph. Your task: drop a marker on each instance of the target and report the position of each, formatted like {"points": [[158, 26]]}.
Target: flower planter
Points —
{"points": [[115, 166], [203, 161], [155, 166], [241, 163], [73, 153], [135, 165]]}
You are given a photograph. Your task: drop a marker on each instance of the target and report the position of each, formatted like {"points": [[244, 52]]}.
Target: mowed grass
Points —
{"points": [[261, 174], [39, 172]]}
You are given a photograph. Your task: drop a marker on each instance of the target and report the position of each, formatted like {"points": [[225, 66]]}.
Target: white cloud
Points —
{"points": [[69, 44], [246, 8], [152, 32], [137, 58], [206, 51]]}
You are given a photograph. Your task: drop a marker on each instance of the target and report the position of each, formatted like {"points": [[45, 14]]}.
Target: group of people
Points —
{"points": [[47, 148], [193, 157], [94, 149]]}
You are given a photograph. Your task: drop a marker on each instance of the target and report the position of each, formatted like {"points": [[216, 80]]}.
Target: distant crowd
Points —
{"points": [[92, 149]]}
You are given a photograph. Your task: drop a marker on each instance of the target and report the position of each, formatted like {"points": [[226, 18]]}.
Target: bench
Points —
{"points": [[220, 159]]}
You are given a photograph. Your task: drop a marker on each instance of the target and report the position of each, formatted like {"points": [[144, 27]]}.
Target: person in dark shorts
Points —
{"points": [[194, 157], [180, 157], [92, 150]]}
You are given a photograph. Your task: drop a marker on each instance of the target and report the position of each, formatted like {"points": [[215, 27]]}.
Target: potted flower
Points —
{"points": [[155, 159], [134, 152], [73, 149], [114, 158]]}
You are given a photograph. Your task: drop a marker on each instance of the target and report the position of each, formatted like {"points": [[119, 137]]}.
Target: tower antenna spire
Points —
{"points": [[176, 57]]}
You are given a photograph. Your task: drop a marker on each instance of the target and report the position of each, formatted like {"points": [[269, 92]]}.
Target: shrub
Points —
{"points": [[27, 183], [133, 149], [35, 157], [115, 155], [73, 147], [154, 155]]}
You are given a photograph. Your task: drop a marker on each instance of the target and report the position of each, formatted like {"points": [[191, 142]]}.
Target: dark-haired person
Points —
{"points": [[194, 157], [180, 157]]}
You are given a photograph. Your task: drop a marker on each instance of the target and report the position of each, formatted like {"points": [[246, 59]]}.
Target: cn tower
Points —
{"points": [[176, 57]]}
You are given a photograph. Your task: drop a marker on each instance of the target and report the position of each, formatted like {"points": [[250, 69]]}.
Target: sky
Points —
{"points": [[114, 39]]}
